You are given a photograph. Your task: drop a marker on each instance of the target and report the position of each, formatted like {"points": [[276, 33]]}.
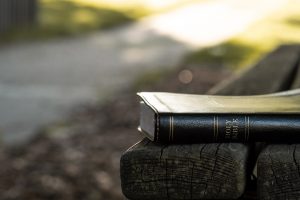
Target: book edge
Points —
{"points": [[159, 107]]}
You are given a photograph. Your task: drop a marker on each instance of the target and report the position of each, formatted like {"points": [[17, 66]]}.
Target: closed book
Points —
{"points": [[188, 118]]}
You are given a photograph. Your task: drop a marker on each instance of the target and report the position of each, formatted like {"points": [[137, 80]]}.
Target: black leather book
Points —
{"points": [[186, 118]]}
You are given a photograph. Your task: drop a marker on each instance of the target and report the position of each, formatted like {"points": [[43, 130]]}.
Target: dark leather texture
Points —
{"points": [[197, 128]]}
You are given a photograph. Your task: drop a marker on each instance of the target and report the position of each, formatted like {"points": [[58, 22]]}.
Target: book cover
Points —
{"points": [[187, 118]]}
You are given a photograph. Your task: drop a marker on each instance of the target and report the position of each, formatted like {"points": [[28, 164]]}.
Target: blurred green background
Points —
{"points": [[68, 18], [69, 74]]}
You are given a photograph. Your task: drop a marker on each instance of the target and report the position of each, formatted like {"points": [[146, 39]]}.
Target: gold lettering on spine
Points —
{"points": [[247, 128], [214, 127], [248, 125], [171, 128], [217, 130]]}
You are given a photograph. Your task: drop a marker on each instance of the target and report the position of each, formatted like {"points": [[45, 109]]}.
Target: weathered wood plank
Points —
{"points": [[278, 170], [183, 171], [164, 165], [273, 73], [296, 82], [278, 165]]}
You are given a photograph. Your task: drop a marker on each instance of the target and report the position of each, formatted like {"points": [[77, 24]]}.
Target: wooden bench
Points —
{"points": [[222, 170]]}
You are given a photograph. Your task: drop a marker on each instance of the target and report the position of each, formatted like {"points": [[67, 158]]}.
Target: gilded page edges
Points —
{"points": [[209, 104], [155, 104], [152, 100]]}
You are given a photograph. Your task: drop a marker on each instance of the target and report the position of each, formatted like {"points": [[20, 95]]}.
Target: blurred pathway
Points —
{"points": [[40, 81]]}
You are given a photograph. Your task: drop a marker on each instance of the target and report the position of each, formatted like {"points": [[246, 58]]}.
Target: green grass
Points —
{"points": [[62, 18], [66, 17], [283, 27], [58, 18], [229, 54]]}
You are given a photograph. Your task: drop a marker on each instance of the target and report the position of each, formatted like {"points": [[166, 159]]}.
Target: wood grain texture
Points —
{"points": [[278, 165], [205, 171], [279, 70], [198, 171], [278, 170]]}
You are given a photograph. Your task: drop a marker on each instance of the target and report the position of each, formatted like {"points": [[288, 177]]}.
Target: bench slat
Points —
{"points": [[296, 82], [272, 74], [278, 171], [278, 165], [183, 171], [152, 171]]}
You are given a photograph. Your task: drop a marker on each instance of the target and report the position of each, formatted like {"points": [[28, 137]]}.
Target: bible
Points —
{"points": [[188, 118]]}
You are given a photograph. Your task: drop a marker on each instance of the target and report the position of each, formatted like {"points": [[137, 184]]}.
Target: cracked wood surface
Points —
{"points": [[152, 171], [278, 165], [278, 172], [206, 171]]}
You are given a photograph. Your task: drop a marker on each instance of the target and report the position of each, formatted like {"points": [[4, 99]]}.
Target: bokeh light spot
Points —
{"points": [[185, 76]]}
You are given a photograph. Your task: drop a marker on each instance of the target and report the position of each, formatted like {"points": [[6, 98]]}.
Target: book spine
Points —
{"points": [[183, 128]]}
